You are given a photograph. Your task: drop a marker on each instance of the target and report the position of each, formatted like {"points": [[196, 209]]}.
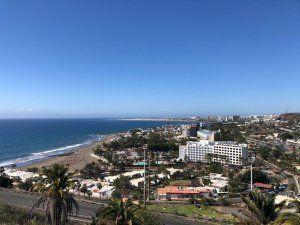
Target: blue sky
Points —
{"points": [[148, 58]]}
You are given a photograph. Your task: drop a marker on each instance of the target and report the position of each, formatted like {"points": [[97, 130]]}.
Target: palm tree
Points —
{"points": [[262, 207], [84, 189], [118, 210], [56, 201], [89, 193]]}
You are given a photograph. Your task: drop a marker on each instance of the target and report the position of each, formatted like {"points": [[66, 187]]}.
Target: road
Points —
{"points": [[286, 173], [86, 209], [264, 143]]}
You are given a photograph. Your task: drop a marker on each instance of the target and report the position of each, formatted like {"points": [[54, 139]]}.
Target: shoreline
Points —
{"points": [[75, 160]]}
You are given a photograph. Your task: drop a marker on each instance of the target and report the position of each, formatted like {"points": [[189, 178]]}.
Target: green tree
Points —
{"points": [[56, 200], [123, 185], [92, 170], [286, 136], [258, 176], [5, 181]]}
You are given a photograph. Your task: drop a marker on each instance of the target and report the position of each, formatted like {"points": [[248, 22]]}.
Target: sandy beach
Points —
{"points": [[75, 160]]}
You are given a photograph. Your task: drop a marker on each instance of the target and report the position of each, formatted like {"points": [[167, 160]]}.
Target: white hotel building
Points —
{"points": [[224, 152]]}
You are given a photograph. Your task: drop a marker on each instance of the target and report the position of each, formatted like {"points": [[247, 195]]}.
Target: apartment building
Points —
{"points": [[223, 152], [196, 150], [230, 153]]}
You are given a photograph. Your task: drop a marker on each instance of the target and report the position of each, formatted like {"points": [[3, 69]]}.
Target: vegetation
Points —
{"points": [[160, 143], [228, 132], [27, 185], [284, 161], [5, 181], [124, 212], [123, 187], [33, 170], [156, 142], [56, 201], [92, 170], [258, 176], [188, 211], [134, 141], [261, 208], [11, 215]]}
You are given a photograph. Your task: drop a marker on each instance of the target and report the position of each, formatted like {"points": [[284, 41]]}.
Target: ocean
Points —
{"points": [[23, 141]]}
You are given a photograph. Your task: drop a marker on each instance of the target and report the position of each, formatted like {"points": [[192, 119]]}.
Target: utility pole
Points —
{"points": [[227, 162], [228, 181], [144, 196], [251, 172], [149, 180], [251, 179]]}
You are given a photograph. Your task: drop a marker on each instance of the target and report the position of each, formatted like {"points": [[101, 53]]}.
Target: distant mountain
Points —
{"points": [[290, 117]]}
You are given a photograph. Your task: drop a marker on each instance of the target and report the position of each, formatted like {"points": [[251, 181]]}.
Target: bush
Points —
{"points": [[26, 185], [5, 181], [13, 215], [146, 217], [207, 201], [224, 201]]}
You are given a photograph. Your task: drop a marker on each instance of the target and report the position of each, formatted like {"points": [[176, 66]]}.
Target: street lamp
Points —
{"points": [[144, 196], [251, 160]]}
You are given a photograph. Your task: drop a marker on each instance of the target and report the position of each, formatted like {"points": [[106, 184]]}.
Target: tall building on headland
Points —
{"points": [[224, 152], [236, 118], [191, 131]]}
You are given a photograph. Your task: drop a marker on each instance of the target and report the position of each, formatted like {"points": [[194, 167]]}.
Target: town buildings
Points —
{"points": [[206, 135], [191, 130], [236, 118], [224, 152]]}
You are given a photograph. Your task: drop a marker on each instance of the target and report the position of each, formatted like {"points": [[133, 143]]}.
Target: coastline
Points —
{"points": [[75, 160], [156, 119]]}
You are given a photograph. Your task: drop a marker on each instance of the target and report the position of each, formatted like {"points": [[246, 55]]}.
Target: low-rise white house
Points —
{"points": [[111, 179], [22, 174]]}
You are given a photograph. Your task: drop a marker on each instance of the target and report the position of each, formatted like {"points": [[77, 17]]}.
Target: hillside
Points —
{"points": [[290, 117]]}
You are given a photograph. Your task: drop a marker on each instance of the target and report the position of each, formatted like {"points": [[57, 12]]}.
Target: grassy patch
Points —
{"points": [[188, 211]]}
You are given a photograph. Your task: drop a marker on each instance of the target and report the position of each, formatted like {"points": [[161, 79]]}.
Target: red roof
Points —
{"points": [[263, 185], [182, 190]]}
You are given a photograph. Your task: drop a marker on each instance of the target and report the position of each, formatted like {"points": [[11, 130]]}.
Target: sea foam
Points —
{"points": [[38, 156]]}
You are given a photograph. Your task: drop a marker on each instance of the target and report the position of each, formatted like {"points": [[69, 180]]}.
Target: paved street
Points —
{"points": [[86, 210], [286, 173]]}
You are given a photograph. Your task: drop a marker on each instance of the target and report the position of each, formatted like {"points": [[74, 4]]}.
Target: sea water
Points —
{"points": [[23, 141]]}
